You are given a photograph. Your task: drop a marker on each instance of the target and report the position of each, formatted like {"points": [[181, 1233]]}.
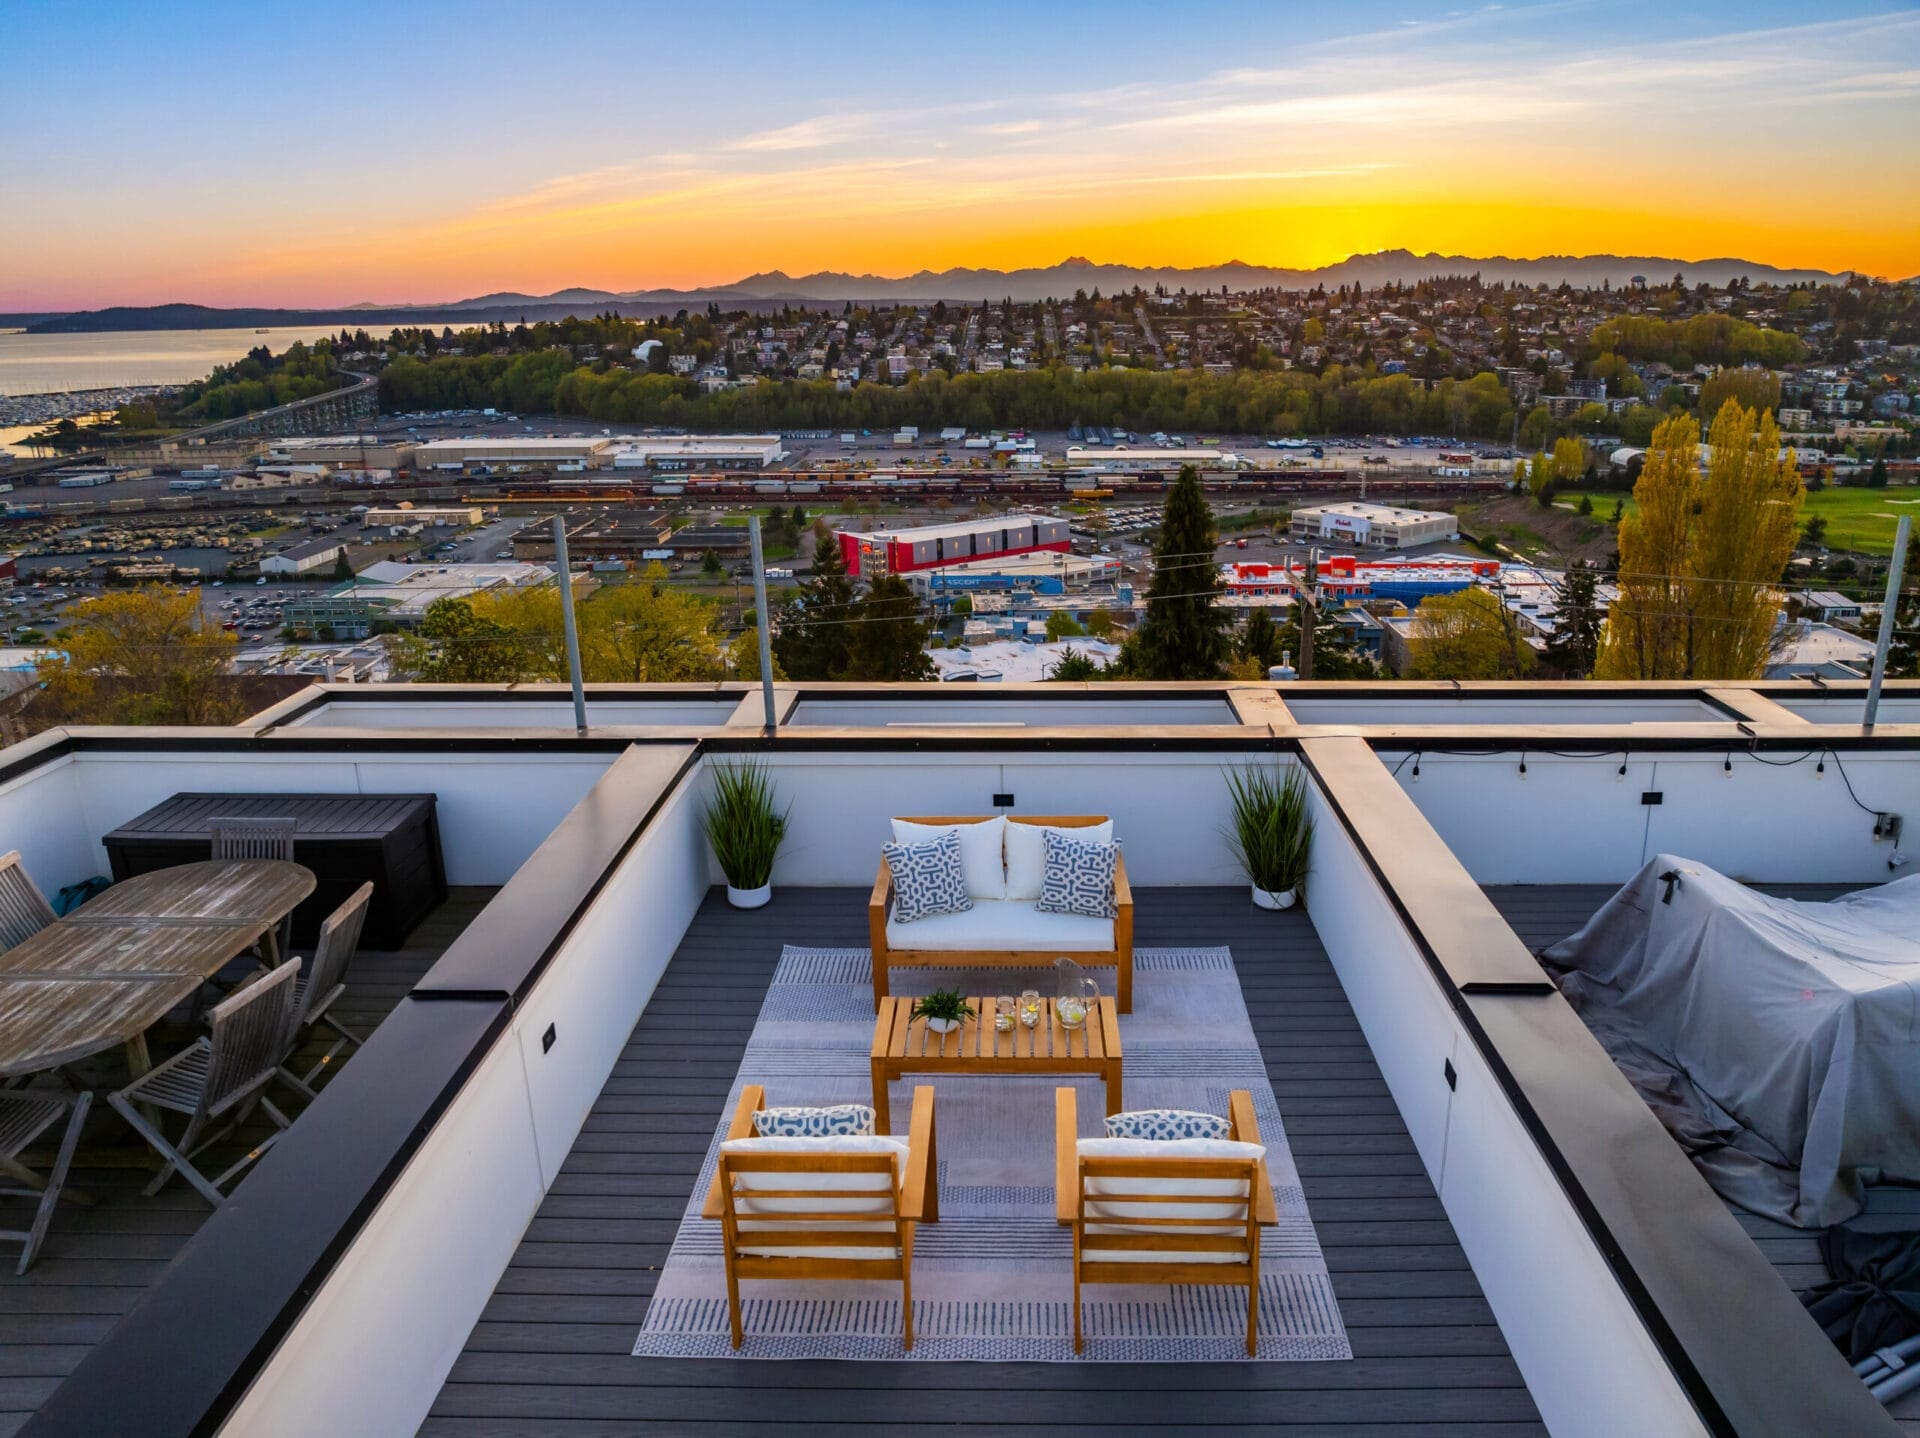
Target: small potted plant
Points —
{"points": [[943, 1009], [745, 830], [1272, 832]]}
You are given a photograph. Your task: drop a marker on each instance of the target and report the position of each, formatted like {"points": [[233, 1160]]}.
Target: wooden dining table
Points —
{"points": [[106, 973]]}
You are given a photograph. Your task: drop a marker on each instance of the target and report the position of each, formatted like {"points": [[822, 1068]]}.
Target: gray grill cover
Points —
{"points": [[1778, 1041]]}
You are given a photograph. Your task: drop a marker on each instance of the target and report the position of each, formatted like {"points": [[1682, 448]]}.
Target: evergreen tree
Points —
{"points": [[1576, 637], [1260, 640], [1877, 476], [1183, 635], [1074, 667], [810, 635], [889, 641]]}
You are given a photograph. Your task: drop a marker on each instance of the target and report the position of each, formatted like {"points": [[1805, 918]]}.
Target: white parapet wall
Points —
{"points": [[369, 1355], [1170, 808], [493, 808], [1760, 818], [1588, 1360]]}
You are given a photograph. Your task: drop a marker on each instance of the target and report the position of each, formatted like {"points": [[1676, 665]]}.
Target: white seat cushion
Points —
{"points": [[982, 859], [866, 1193], [1026, 859], [1001, 925], [1230, 1194]]}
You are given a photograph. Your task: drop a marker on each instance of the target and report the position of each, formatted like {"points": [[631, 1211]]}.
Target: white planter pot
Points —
{"points": [[1270, 899], [943, 1026], [749, 898]]}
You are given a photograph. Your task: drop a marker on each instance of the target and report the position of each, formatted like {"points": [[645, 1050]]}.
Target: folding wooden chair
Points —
{"points": [[24, 910], [25, 1114], [218, 1081], [322, 981]]}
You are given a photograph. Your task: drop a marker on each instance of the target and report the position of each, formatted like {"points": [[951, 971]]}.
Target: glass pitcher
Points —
{"points": [[1076, 994]]}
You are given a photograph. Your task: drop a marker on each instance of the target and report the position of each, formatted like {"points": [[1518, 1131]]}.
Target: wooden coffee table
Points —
{"points": [[903, 1045]]}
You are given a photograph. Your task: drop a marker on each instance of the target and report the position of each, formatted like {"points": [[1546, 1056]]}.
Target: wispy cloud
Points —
{"points": [[813, 134]]}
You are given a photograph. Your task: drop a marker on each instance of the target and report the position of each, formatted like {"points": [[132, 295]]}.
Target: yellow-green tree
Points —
{"points": [[141, 656], [1757, 389], [1700, 562], [644, 631], [1569, 460], [1467, 635], [743, 655], [636, 632]]}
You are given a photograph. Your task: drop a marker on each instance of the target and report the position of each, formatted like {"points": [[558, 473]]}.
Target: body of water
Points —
{"points": [[47, 364]]}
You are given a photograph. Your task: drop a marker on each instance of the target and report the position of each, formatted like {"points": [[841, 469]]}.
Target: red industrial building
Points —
{"points": [[903, 551]]}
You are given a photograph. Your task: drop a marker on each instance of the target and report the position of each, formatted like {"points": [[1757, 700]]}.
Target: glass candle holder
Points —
{"points": [[1030, 1007], [1004, 1009]]}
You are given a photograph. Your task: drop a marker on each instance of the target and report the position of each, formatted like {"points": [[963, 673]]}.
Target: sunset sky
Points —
{"points": [[396, 152]]}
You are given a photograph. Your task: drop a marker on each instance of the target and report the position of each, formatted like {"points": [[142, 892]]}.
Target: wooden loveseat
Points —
{"points": [[1004, 933]]}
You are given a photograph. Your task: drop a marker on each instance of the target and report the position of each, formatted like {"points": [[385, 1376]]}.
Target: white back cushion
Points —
{"points": [[1230, 1193], [981, 860], [1026, 857], [866, 1193]]}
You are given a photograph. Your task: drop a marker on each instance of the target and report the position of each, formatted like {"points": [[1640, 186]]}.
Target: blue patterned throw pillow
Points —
{"points": [[1167, 1123], [1077, 877], [927, 878], [839, 1120]]}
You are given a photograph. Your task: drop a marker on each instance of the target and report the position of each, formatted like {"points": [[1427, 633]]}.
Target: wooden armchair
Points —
{"points": [[825, 1221], [885, 957], [1164, 1219]]}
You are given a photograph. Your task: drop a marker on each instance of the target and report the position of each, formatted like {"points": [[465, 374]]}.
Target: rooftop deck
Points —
{"points": [[1542, 914], [97, 1261], [551, 1352]]}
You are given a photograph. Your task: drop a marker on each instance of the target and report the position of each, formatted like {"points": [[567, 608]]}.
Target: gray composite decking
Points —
{"points": [[551, 1352], [96, 1261], [1541, 914]]}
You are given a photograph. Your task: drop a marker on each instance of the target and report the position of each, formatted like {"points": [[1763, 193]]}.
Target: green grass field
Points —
{"points": [[1858, 520]]}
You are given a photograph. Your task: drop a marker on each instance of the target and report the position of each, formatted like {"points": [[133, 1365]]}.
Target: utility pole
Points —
{"points": [[766, 632], [1900, 537], [566, 622], [1309, 593]]}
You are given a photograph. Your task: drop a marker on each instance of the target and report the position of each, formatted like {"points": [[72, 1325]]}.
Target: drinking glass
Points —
{"points": [[1030, 1007]]}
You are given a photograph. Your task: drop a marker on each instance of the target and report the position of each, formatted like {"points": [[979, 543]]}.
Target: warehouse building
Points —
{"points": [[459, 516], [703, 451], [316, 556], [1044, 572], [1378, 526], [459, 453], [343, 451], [394, 595], [902, 551], [597, 534]]}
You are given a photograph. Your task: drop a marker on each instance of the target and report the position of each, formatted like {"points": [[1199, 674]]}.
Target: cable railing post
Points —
{"points": [[1900, 535], [566, 622], [766, 632]]}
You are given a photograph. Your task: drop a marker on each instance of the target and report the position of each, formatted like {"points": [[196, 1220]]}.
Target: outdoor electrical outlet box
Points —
{"points": [[1003, 801], [1887, 826]]}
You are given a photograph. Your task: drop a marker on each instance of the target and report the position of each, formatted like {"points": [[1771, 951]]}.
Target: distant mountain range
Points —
{"points": [[775, 288]]}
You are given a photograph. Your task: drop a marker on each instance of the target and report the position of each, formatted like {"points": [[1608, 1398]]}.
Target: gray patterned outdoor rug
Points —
{"points": [[993, 1279]]}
